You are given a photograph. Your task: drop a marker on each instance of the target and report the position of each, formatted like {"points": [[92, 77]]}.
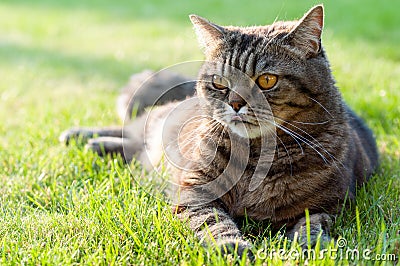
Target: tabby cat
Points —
{"points": [[258, 84]]}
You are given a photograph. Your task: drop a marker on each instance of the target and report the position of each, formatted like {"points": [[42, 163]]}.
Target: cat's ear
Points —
{"points": [[306, 35], [208, 34]]}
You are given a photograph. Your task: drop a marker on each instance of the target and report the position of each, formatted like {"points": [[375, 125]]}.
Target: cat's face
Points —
{"points": [[235, 99], [259, 77]]}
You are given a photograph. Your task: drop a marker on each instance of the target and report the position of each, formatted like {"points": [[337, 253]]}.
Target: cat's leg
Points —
{"points": [[86, 133], [127, 141], [107, 140], [213, 226], [320, 224]]}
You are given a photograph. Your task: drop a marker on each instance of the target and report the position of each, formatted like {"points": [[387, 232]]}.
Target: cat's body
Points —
{"points": [[322, 151]]}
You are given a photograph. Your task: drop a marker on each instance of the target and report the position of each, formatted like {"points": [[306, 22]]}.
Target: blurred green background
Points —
{"points": [[62, 64], [55, 52]]}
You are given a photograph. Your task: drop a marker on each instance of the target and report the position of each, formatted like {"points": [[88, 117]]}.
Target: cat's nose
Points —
{"points": [[237, 105], [235, 101]]}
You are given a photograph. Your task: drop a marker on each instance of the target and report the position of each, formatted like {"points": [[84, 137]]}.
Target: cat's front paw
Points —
{"points": [[106, 145], [78, 134], [236, 246], [320, 224]]}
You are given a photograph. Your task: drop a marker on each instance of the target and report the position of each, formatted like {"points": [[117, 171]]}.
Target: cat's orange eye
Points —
{"points": [[219, 83], [266, 81]]}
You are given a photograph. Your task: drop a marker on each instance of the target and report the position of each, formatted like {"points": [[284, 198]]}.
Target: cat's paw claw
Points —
{"points": [[95, 146], [320, 224], [66, 136], [77, 134]]}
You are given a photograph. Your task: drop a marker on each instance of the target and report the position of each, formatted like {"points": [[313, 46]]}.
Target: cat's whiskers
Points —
{"points": [[297, 137], [197, 119], [287, 131], [210, 134], [320, 104], [210, 127], [260, 113], [220, 136], [308, 123], [190, 138], [283, 144], [317, 143], [221, 117], [312, 145], [305, 132], [304, 123]]}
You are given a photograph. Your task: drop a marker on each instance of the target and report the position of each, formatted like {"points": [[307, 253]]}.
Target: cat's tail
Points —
{"points": [[149, 88]]}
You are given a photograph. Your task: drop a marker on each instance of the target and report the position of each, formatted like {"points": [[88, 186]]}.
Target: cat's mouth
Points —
{"points": [[238, 118], [241, 126]]}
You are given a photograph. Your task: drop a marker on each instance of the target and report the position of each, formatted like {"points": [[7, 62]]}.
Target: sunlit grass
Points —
{"points": [[61, 64]]}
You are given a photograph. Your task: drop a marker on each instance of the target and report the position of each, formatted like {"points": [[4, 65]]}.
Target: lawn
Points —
{"points": [[62, 64]]}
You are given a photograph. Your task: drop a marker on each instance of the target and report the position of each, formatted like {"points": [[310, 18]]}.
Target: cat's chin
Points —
{"points": [[245, 130]]}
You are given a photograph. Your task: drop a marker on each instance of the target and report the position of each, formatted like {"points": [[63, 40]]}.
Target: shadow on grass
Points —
{"points": [[63, 63]]}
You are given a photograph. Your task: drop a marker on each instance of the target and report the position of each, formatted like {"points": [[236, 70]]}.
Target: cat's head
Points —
{"points": [[261, 75]]}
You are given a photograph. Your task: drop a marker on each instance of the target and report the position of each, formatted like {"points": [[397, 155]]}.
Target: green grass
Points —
{"points": [[62, 61]]}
